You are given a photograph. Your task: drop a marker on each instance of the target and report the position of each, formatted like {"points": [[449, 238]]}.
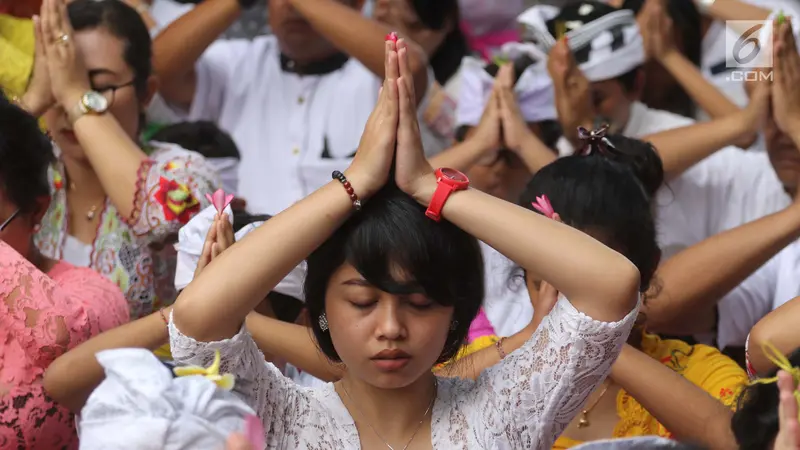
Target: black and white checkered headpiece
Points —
{"points": [[606, 41]]}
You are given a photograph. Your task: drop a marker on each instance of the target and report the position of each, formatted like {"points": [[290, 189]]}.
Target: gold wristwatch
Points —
{"points": [[92, 102]]}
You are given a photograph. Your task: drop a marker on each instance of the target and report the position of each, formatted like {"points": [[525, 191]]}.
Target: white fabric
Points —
{"points": [[506, 303], [484, 16], [228, 170], [636, 443], [191, 238], [774, 284], [303, 379], [524, 402], [534, 92], [76, 252], [141, 406], [282, 121]]}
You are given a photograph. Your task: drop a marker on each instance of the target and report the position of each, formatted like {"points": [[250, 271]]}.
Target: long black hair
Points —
{"points": [[435, 15]]}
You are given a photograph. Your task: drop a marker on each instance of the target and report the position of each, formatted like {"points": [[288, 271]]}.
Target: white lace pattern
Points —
{"points": [[525, 402]]}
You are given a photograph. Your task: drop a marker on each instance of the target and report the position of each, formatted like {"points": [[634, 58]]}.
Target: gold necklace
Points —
{"points": [[583, 422], [419, 425], [90, 215]]}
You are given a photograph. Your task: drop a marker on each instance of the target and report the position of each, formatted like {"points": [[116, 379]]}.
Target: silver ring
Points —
{"points": [[63, 39]]}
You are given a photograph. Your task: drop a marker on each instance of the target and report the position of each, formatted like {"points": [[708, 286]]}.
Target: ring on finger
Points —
{"points": [[63, 38]]}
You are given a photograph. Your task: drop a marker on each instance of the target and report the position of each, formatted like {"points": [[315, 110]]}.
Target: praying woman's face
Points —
{"points": [[19, 228], [109, 73], [385, 340], [401, 15], [612, 101]]}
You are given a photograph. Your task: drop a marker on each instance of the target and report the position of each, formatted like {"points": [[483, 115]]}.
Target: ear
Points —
{"points": [[152, 89], [42, 204]]}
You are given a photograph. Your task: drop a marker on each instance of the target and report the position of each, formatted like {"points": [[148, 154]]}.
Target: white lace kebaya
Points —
{"points": [[524, 402]]}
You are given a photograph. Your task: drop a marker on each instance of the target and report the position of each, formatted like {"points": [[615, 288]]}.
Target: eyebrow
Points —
{"points": [[357, 282], [95, 72]]}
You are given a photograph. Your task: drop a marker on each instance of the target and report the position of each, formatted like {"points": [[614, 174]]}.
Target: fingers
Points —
{"points": [[408, 121], [48, 27], [238, 442], [39, 37], [63, 17], [392, 70], [405, 67], [225, 235], [787, 411]]}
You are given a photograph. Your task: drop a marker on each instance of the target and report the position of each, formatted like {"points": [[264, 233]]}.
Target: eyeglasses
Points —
{"points": [[8, 221], [109, 91]]}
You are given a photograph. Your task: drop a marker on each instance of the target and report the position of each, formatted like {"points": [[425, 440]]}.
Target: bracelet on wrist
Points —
{"points": [[499, 346], [336, 175]]}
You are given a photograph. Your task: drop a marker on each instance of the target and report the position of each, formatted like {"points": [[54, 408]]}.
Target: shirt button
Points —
{"points": [[295, 151], [300, 100]]}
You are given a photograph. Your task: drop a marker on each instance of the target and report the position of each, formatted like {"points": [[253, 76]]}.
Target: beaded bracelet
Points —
{"points": [[336, 175], [499, 346], [163, 316]]}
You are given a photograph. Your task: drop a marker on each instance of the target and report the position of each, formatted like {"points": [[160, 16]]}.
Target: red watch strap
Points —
{"points": [[440, 196]]}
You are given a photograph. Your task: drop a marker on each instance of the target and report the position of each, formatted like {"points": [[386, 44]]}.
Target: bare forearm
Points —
{"points": [[215, 304], [778, 328], [681, 148], [743, 249], [737, 10], [461, 156], [687, 411], [360, 37], [598, 281], [114, 157], [292, 343], [535, 154], [71, 378], [705, 94]]}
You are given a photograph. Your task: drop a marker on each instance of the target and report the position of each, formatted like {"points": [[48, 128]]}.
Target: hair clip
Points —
{"points": [[783, 363], [220, 200], [595, 140], [542, 204], [224, 381]]}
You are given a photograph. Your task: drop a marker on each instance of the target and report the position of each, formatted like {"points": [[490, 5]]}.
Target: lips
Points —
{"points": [[391, 360]]}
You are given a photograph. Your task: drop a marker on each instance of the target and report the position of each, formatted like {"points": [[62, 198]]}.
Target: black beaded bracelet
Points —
{"points": [[336, 175]]}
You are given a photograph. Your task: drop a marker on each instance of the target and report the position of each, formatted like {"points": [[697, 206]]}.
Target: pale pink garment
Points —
{"points": [[480, 327], [487, 44], [40, 319]]}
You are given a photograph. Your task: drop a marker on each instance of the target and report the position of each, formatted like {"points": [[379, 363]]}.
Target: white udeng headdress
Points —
{"points": [[141, 406], [533, 89], [604, 48]]}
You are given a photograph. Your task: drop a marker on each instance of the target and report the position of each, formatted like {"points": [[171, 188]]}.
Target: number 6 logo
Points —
{"points": [[744, 43]]}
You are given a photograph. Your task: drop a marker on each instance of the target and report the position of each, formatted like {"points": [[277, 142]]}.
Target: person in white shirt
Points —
{"points": [[295, 102]]}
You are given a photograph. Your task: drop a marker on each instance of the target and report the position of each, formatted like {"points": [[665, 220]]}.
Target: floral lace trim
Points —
{"points": [[140, 195]]}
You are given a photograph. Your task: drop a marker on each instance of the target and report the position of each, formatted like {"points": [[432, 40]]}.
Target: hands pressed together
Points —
{"points": [[59, 74], [786, 80]]}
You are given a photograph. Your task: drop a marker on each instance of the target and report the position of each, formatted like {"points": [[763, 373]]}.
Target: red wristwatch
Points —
{"points": [[448, 181]]}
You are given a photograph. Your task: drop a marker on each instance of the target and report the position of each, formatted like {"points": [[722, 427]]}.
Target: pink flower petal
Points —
{"points": [[542, 204], [254, 432], [220, 200]]}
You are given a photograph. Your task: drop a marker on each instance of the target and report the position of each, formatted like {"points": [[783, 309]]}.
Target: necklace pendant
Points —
{"points": [[90, 215], [583, 422]]}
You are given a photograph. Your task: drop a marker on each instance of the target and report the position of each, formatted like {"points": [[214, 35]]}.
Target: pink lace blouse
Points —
{"points": [[41, 317]]}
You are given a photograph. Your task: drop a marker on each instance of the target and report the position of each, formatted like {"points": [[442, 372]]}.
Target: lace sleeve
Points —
{"points": [[38, 320], [273, 396], [101, 298], [536, 391], [169, 193]]}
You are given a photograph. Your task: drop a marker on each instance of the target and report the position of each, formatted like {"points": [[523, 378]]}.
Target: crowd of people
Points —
{"points": [[402, 224]]}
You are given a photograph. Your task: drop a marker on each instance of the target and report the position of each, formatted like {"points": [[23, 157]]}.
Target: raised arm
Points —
{"points": [[358, 36], [178, 47], [686, 410], [215, 304], [778, 329]]}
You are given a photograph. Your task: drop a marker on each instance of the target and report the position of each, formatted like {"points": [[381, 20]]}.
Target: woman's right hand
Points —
{"points": [[573, 101], [38, 97], [788, 437], [487, 133], [370, 168], [786, 82]]}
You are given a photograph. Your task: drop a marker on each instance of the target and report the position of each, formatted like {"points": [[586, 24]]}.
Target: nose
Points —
{"points": [[390, 324]]}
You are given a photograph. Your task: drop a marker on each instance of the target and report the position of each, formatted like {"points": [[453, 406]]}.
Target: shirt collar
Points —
{"points": [[322, 67]]}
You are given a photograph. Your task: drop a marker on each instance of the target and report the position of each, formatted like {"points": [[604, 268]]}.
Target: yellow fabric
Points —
{"points": [[706, 367], [16, 53], [474, 346], [163, 352]]}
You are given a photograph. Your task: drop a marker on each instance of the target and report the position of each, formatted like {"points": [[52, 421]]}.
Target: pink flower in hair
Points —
{"points": [[542, 204]]}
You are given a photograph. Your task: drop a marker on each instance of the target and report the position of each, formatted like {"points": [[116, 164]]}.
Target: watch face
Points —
{"points": [[95, 102], [455, 175]]}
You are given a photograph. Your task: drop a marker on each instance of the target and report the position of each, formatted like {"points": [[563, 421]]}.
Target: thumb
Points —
{"points": [[238, 442]]}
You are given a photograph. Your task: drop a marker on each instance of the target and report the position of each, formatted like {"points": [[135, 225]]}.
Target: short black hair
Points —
{"points": [[123, 22], [391, 231], [203, 137], [608, 195], [755, 422], [25, 155], [435, 15]]}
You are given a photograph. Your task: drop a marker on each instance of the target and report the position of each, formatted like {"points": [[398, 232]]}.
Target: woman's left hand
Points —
{"points": [[413, 173], [68, 75]]}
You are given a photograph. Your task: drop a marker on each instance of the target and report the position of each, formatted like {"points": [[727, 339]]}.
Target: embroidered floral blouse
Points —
{"points": [[524, 402], [706, 367], [171, 188]]}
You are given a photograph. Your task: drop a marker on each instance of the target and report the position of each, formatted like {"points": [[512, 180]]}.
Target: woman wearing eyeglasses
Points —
{"points": [[114, 202]]}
